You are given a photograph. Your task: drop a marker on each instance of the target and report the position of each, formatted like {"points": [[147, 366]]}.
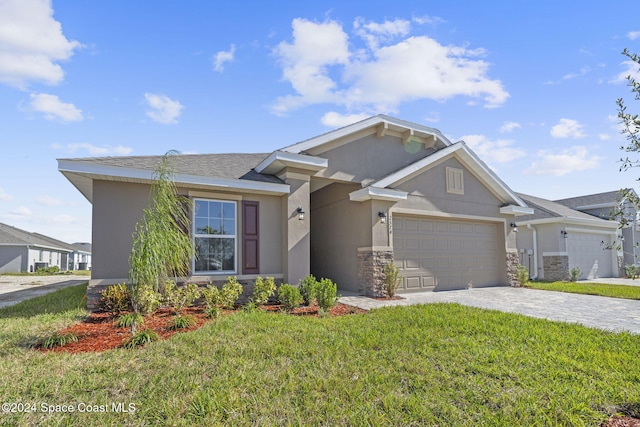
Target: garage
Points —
{"points": [[443, 254], [587, 252]]}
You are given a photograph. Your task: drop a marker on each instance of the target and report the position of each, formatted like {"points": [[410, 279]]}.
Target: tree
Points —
{"points": [[631, 128], [162, 249]]}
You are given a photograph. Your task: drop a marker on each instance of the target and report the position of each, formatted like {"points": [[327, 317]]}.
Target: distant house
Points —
{"points": [[23, 251], [611, 205], [556, 238], [339, 205]]}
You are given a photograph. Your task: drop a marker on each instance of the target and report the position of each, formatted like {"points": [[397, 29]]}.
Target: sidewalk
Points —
{"points": [[15, 289]]}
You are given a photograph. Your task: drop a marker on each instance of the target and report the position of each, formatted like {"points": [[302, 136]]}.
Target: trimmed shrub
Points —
{"points": [[263, 289], [326, 295], [178, 298], [146, 300], [289, 296], [391, 279], [115, 299], [230, 293], [522, 274], [631, 271], [308, 287], [574, 274]]}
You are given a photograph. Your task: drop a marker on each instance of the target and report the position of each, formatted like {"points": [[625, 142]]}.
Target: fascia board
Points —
{"points": [[516, 210], [278, 160], [374, 193], [568, 220], [146, 176]]}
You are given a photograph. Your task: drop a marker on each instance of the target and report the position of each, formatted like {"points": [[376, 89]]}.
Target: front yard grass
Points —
{"points": [[601, 289], [436, 364]]}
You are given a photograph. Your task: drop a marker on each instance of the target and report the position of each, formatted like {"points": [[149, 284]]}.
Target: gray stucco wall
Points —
{"points": [[338, 229], [118, 206]]}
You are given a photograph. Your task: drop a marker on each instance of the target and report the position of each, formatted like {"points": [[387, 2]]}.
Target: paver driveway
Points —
{"points": [[612, 314]]}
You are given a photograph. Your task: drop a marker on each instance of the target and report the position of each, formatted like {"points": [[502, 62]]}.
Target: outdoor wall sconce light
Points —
{"points": [[514, 227], [564, 233], [300, 214], [383, 217]]}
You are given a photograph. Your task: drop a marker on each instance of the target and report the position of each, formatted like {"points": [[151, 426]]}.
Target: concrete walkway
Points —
{"points": [[612, 314], [15, 289]]}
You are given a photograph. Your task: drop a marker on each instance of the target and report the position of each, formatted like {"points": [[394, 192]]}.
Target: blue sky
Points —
{"points": [[529, 85]]}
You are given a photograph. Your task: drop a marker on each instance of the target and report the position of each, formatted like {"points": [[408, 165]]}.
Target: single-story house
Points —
{"points": [[611, 205], [555, 239], [23, 251], [339, 205]]}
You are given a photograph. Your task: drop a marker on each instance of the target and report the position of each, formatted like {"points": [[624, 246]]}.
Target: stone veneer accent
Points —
{"points": [[513, 262], [371, 262], [555, 267]]}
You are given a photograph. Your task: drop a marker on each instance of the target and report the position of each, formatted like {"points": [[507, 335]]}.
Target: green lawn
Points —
{"points": [[437, 364], [605, 290]]}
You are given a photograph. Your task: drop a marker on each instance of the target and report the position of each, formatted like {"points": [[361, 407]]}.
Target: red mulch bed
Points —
{"points": [[621, 421], [98, 333]]}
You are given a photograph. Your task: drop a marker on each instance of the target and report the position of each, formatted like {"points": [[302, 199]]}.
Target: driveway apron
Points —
{"points": [[611, 314]]}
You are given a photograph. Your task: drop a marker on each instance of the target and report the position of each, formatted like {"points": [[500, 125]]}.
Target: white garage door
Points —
{"points": [[437, 254], [587, 252]]}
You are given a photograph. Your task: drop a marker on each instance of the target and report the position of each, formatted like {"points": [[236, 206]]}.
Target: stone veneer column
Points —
{"points": [[512, 268], [555, 267], [371, 262]]}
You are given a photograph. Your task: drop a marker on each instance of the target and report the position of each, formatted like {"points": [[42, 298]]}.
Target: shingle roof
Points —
{"points": [[591, 199], [233, 165], [14, 236], [544, 208]]}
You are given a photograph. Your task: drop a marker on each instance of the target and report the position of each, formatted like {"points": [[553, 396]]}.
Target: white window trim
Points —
{"points": [[458, 176], [234, 236]]}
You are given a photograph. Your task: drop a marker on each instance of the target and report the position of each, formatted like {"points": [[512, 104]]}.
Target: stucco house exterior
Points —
{"points": [[339, 205], [610, 205], [22, 251], [555, 239]]}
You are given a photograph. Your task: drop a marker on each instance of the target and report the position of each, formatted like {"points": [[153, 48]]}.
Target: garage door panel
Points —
{"points": [[587, 252], [453, 254]]}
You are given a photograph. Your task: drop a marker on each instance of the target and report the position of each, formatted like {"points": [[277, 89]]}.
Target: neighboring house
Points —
{"points": [[611, 205], [339, 205], [555, 239], [22, 251], [81, 257]]}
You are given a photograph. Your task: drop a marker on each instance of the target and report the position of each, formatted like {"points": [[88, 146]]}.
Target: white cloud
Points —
{"points": [[323, 67], [20, 211], [567, 128], [32, 43], [222, 57], [631, 69], [54, 109], [4, 196], [163, 109], [374, 33], [94, 150], [583, 72], [509, 127], [431, 20], [574, 159], [500, 151], [336, 120], [632, 35], [604, 136], [49, 200]]}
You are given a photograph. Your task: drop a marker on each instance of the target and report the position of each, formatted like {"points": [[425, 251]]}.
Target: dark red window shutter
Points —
{"points": [[250, 238]]}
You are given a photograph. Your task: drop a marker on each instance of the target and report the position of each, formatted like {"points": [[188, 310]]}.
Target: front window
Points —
{"points": [[214, 234]]}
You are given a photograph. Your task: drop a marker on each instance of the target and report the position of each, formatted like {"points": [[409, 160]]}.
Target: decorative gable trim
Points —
{"points": [[468, 159], [376, 193], [279, 160]]}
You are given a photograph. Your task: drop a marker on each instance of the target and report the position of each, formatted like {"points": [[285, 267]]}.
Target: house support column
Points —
{"points": [[296, 232], [512, 268], [371, 262], [555, 266]]}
